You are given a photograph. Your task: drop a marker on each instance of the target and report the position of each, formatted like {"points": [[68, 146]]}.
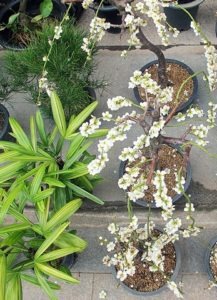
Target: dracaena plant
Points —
{"points": [[56, 159], [33, 250]]}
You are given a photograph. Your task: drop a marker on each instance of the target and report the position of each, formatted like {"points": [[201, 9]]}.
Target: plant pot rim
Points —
{"points": [[144, 203], [189, 70], [172, 278], [105, 8], [187, 5], [6, 127], [207, 255]]}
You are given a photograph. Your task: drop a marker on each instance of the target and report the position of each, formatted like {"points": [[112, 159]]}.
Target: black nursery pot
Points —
{"points": [[4, 118], [111, 14], [69, 260], [143, 202], [207, 258], [194, 95], [32, 10], [178, 18], [155, 292]]}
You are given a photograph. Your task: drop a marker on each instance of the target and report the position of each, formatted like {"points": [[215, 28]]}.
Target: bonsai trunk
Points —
{"points": [[22, 11], [162, 77]]}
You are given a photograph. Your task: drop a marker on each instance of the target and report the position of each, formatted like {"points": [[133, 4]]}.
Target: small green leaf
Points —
{"points": [[42, 195], [74, 145], [36, 18], [33, 133], [13, 18], [46, 8], [53, 182], [67, 240], [36, 182]]}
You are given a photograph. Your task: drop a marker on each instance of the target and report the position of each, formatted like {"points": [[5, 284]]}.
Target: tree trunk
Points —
{"points": [[162, 77], [23, 6]]}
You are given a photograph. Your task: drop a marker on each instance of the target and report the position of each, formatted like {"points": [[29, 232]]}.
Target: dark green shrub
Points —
{"points": [[67, 69]]}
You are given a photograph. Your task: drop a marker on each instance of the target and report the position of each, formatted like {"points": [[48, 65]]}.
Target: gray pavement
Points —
{"points": [[91, 222]]}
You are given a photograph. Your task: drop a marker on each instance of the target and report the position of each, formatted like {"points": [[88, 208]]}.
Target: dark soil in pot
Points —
{"points": [[177, 73], [144, 282], [210, 259], [169, 158]]}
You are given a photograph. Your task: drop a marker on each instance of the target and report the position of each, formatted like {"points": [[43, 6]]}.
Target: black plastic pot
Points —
{"points": [[111, 14], [4, 114], [153, 293], [207, 258], [178, 18], [194, 95], [69, 260], [32, 10], [144, 203]]}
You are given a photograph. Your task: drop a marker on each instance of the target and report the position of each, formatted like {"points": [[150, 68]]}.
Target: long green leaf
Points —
{"points": [[76, 155], [82, 193], [58, 113], [67, 240], [10, 170], [14, 227], [40, 126], [33, 133], [42, 195], [98, 133], [33, 280], [56, 254], [36, 182], [18, 216], [75, 123], [9, 200], [76, 172], [14, 288], [7, 156], [63, 214], [43, 283], [53, 182], [46, 269], [50, 239], [74, 145], [3, 274], [20, 135]]}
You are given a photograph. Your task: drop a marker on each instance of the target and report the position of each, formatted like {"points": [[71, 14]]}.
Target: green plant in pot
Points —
{"points": [[34, 250], [36, 173], [67, 70], [59, 156]]}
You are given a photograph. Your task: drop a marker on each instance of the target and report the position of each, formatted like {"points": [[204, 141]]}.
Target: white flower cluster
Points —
{"points": [[173, 226], [97, 31], [161, 198], [175, 289], [90, 127], [57, 32], [211, 56], [162, 96], [132, 23], [200, 132], [125, 247], [180, 182], [156, 128], [87, 3], [118, 102], [211, 115]]}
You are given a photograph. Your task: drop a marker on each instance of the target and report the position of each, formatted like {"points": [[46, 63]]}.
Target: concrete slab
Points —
{"points": [[206, 17]]}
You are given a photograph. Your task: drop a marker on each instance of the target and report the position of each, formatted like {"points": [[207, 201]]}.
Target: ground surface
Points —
{"points": [[92, 221]]}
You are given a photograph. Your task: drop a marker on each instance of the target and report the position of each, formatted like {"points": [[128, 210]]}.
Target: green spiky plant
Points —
{"points": [[37, 173], [67, 69]]}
